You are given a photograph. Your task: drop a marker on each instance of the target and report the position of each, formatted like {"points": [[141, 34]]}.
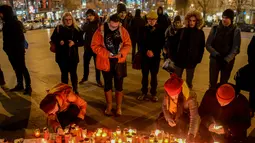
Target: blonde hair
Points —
{"points": [[74, 25], [199, 18]]}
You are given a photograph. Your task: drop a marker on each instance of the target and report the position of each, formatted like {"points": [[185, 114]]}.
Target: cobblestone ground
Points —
{"points": [[20, 115]]}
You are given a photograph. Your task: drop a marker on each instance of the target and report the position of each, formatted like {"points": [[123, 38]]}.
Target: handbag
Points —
{"points": [[137, 61], [121, 69], [52, 44], [244, 78]]}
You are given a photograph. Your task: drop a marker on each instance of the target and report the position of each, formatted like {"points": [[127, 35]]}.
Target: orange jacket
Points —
{"points": [[65, 98], [98, 47]]}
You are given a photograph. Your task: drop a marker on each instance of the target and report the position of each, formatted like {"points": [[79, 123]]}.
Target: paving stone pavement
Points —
{"points": [[21, 114]]}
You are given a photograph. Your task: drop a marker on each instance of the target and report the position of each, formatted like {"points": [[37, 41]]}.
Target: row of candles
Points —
{"points": [[74, 134]]}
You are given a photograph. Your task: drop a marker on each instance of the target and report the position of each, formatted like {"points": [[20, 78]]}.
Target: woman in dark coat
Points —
{"points": [[68, 37]]}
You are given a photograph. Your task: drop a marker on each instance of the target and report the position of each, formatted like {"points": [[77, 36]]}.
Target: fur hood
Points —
{"points": [[197, 14]]}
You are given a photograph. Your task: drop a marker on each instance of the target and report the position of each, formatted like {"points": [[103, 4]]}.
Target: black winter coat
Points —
{"points": [[13, 37], [89, 29], [65, 53], [153, 40], [136, 28], [188, 47], [251, 52], [234, 117]]}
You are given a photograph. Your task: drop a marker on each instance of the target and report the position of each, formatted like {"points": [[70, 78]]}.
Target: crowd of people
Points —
{"points": [[224, 113]]}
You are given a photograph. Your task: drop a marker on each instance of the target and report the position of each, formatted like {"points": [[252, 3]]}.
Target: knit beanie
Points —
{"points": [[152, 15], [121, 7], [229, 13], [173, 86], [90, 11], [225, 93], [177, 18]]}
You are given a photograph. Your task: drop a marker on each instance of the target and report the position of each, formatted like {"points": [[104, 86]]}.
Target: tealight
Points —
{"points": [[129, 138], [119, 140], [104, 135], [37, 133]]}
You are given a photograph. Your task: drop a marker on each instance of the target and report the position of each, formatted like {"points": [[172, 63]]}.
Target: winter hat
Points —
{"points": [[225, 93], [90, 11], [121, 7], [229, 13], [173, 86], [152, 15], [177, 18]]}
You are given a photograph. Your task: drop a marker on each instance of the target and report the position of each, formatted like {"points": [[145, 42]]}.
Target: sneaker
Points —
{"points": [[154, 98], [99, 83], [143, 97], [17, 88], [82, 81], [28, 91]]}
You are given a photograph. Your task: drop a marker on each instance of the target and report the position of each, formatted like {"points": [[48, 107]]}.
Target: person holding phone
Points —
{"points": [[224, 114]]}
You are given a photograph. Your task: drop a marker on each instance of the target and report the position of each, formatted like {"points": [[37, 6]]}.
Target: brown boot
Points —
{"points": [[119, 96], [108, 97]]}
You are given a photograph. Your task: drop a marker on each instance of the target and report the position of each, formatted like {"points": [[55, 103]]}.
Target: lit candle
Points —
{"points": [[151, 138], [58, 139], [129, 138], [112, 140], [157, 132], [166, 140], [98, 134], [46, 133], [104, 135], [119, 141], [86, 140], [118, 131], [44, 141], [100, 130], [84, 133], [217, 127], [37, 133], [67, 137]]}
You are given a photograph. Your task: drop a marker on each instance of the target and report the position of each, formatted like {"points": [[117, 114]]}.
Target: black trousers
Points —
{"points": [[112, 74], [67, 67], [189, 74], [2, 81], [88, 54], [69, 116], [134, 42], [18, 64], [224, 69], [252, 99], [150, 65]]}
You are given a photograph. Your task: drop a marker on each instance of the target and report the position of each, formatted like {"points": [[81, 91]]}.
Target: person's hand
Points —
{"points": [[117, 56], [171, 123], [71, 43], [62, 42], [220, 131], [60, 131], [190, 138], [211, 128], [150, 54]]}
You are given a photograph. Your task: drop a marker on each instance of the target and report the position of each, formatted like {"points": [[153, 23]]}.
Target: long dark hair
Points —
{"points": [[180, 106]]}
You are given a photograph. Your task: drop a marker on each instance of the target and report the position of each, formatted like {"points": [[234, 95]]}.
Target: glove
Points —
{"points": [[190, 138]]}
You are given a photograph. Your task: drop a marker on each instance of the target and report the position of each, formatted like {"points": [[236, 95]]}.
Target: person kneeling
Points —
{"points": [[63, 107], [180, 108], [224, 115]]}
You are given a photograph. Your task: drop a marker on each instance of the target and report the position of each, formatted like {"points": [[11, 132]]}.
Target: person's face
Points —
{"points": [[160, 11], [113, 25], [152, 22], [177, 24], [122, 15], [192, 22], [226, 21], [91, 17], [68, 21], [54, 110]]}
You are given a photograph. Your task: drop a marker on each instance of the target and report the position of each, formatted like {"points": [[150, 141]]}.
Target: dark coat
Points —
{"points": [[65, 53], [189, 47], [234, 117], [153, 40], [136, 28], [251, 52], [89, 29]]}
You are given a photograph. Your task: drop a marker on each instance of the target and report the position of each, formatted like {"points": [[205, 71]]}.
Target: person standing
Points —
{"points": [[136, 31], [14, 46], [111, 43], [225, 115], [150, 53], [163, 19], [89, 29], [122, 13], [223, 44], [189, 47], [68, 37]]}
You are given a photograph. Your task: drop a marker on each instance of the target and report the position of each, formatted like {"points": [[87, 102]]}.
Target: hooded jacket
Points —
{"points": [[89, 29], [163, 20], [136, 27], [190, 107], [13, 36]]}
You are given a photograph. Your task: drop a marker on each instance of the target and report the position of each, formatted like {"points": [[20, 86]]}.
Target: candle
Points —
{"points": [[67, 137], [84, 133], [46, 133], [86, 140], [166, 140], [104, 135], [100, 130], [44, 141], [98, 134], [37, 133], [157, 132], [151, 139], [129, 138], [112, 140], [58, 139], [118, 131], [217, 127], [119, 140]]}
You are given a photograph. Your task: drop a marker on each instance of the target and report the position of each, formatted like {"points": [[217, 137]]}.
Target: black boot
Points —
{"points": [[28, 91], [18, 87]]}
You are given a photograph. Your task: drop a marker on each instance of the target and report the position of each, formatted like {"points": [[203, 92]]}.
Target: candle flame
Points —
{"points": [[157, 132]]}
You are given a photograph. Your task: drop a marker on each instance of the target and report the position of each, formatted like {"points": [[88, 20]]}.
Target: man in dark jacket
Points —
{"points": [[122, 13], [189, 47], [224, 115], [152, 45], [136, 31], [163, 20], [14, 46], [223, 44], [89, 29]]}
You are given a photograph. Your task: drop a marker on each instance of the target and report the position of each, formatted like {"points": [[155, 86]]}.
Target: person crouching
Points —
{"points": [[63, 107], [180, 109]]}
